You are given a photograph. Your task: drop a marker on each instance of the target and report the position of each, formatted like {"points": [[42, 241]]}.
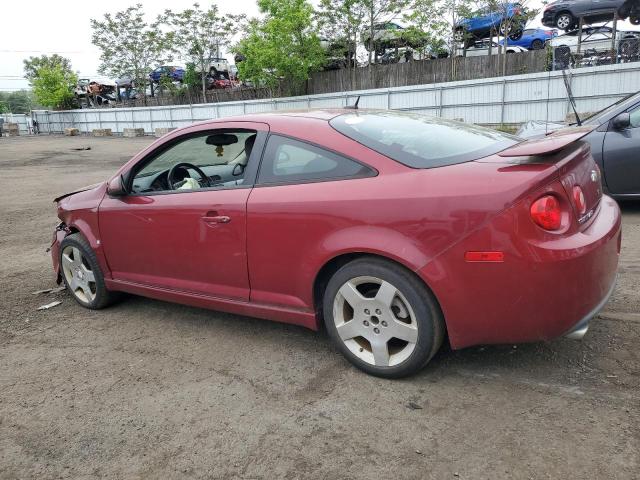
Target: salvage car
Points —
{"points": [[565, 14], [175, 74], [481, 48], [599, 38], [393, 230], [506, 19], [532, 38]]}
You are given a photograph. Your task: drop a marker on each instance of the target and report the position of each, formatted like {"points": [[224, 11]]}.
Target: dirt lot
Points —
{"points": [[148, 389]]}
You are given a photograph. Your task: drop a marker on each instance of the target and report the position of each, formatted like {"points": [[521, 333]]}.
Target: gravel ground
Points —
{"points": [[148, 389]]}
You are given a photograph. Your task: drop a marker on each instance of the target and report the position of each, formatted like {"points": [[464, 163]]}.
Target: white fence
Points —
{"points": [[21, 119], [491, 101]]}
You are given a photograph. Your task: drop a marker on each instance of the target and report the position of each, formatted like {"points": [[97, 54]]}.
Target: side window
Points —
{"points": [[635, 117], [211, 159], [287, 160]]}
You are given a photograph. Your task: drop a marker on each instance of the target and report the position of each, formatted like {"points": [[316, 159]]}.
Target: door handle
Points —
{"points": [[216, 219]]}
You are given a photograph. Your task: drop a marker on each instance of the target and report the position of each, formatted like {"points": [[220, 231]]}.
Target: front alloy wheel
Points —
{"points": [[382, 317], [82, 274], [78, 274]]}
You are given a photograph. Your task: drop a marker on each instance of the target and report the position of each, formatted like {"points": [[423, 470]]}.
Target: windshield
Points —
{"points": [[598, 117], [421, 141]]}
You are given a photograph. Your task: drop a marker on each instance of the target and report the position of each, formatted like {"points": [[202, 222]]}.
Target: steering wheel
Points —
{"points": [[174, 169]]}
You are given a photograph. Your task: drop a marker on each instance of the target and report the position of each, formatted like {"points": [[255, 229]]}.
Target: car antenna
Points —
{"points": [[355, 105], [572, 100]]}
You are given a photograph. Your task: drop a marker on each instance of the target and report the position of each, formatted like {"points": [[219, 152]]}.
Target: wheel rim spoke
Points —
{"points": [[67, 261], [405, 332], [380, 352], [349, 330], [386, 294], [351, 294], [88, 274], [77, 256]]}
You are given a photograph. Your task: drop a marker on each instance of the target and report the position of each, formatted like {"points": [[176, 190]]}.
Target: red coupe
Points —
{"points": [[396, 230]]}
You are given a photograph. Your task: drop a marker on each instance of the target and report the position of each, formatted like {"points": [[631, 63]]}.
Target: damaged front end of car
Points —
{"points": [[78, 213]]}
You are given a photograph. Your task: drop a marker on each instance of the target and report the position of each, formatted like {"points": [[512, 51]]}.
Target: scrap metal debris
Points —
{"points": [[50, 305], [48, 290]]}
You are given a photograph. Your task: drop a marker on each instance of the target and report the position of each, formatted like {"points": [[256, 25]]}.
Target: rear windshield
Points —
{"points": [[421, 141]]}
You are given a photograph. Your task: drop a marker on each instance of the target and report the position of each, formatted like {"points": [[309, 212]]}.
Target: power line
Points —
{"points": [[46, 51]]}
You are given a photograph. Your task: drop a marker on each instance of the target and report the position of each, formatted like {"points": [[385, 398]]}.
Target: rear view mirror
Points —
{"points": [[116, 187], [621, 121]]}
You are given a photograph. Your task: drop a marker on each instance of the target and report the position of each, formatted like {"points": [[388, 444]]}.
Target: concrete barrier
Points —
{"points": [[102, 132], [159, 132], [133, 132], [12, 129]]}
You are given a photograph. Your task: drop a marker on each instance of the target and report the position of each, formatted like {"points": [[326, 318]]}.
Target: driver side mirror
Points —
{"points": [[621, 121], [116, 187]]}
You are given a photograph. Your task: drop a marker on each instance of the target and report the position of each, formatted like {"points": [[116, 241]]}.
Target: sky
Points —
{"points": [[36, 27]]}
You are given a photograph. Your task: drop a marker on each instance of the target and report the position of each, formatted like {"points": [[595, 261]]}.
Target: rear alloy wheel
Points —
{"points": [[564, 21], [82, 274], [537, 44], [382, 318]]}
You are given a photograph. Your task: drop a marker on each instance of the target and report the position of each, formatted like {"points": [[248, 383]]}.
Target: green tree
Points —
{"points": [[16, 102], [197, 35], [53, 87], [33, 64], [285, 44], [129, 46], [380, 11], [342, 22]]}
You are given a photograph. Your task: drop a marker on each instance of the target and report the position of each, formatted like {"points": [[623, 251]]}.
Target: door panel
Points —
{"points": [[621, 157], [192, 241]]}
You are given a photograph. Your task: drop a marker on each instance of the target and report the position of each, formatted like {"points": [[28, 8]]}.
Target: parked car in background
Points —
{"points": [[599, 38], [565, 14], [481, 48], [532, 38], [525, 248], [339, 53], [614, 141], [391, 35], [506, 19], [175, 74]]}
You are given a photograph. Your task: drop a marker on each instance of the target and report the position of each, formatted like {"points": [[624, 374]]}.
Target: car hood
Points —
{"points": [[95, 186]]}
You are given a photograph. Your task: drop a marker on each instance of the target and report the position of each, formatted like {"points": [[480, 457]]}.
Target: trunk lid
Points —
{"points": [[571, 158]]}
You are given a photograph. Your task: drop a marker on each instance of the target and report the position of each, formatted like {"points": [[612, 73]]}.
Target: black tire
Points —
{"points": [[459, 35], [428, 317], [103, 297], [634, 20], [537, 44], [565, 19]]}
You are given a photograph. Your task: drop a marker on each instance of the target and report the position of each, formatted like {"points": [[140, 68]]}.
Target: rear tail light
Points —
{"points": [[547, 213], [579, 201]]}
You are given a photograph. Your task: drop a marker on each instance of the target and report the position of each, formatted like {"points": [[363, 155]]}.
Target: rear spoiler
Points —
{"points": [[552, 143]]}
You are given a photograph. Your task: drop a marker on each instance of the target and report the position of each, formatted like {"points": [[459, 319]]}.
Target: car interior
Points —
{"points": [[202, 161]]}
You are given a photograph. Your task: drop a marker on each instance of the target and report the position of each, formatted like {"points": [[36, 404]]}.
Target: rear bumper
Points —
{"points": [[542, 290], [579, 330]]}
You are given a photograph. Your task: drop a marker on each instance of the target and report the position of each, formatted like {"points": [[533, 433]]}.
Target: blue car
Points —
{"points": [[176, 74], [532, 38], [483, 22]]}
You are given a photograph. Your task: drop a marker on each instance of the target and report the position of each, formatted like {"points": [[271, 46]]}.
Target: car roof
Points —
{"points": [[324, 114]]}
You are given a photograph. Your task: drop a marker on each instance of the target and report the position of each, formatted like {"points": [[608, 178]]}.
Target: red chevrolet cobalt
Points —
{"points": [[395, 230]]}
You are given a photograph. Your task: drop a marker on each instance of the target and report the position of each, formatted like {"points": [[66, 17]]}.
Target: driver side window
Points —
{"points": [[206, 160], [634, 116]]}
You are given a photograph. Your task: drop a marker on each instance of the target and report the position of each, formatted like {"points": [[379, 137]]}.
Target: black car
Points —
{"points": [[615, 145], [565, 14]]}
